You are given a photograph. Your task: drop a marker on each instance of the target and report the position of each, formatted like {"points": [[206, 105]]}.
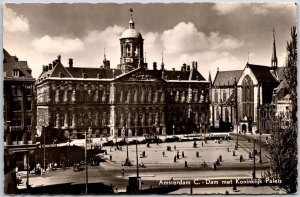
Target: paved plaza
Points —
{"points": [[162, 167]]}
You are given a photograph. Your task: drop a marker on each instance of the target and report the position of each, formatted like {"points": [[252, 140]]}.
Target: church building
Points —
{"points": [[250, 95]]}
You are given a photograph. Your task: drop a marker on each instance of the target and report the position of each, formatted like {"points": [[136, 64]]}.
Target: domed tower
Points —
{"points": [[131, 48]]}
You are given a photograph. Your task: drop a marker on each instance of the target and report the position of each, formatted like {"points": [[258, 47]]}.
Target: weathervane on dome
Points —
{"points": [[131, 10]]}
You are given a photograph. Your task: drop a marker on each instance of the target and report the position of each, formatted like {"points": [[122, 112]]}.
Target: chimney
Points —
{"points": [[46, 68], [54, 62], [173, 69], [58, 58], [71, 63], [184, 67], [188, 68], [50, 66], [196, 65], [154, 65]]}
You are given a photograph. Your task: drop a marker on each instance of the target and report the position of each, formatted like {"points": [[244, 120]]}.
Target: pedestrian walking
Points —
{"points": [[202, 144], [110, 157], [175, 158], [228, 149], [241, 158], [174, 147], [163, 153], [122, 171], [233, 153], [185, 164], [182, 154]]}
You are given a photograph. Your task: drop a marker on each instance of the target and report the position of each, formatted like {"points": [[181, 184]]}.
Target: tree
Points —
{"points": [[283, 143]]}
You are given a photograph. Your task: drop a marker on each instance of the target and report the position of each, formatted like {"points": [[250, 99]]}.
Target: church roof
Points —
{"points": [[262, 73], [279, 71], [11, 63], [227, 77]]}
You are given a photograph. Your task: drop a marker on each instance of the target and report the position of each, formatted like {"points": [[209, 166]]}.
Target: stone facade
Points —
{"points": [[130, 100]]}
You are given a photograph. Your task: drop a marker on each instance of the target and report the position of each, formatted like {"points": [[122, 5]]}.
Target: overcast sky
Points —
{"points": [[214, 35]]}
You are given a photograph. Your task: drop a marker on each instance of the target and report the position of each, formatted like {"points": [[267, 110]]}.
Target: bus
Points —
{"points": [[220, 136]]}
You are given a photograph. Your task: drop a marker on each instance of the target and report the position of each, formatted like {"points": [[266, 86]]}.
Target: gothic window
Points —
{"points": [[224, 96], [226, 115], [217, 114], [247, 97], [216, 96]]}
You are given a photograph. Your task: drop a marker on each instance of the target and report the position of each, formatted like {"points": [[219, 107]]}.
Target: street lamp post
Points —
{"points": [[254, 173], [236, 114], [260, 161], [127, 159], [86, 166], [27, 168], [173, 130], [44, 131]]}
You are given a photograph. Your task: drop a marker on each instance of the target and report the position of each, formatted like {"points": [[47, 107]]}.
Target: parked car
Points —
{"points": [[134, 142], [77, 167], [172, 139], [121, 143], [108, 143]]}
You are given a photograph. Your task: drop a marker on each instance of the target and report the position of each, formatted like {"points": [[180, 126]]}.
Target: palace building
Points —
{"points": [[128, 100]]}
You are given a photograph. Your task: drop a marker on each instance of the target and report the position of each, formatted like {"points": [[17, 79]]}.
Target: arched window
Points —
{"points": [[224, 96], [216, 96], [128, 50], [217, 114], [226, 115], [247, 97]]}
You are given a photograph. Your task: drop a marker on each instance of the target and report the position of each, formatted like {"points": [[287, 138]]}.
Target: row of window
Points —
{"points": [[19, 122], [17, 90], [224, 96], [17, 106], [219, 117]]}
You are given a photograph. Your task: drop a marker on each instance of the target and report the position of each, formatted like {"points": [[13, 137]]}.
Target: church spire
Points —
{"points": [[274, 56], [104, 54], [162, 61], [209, 77]]}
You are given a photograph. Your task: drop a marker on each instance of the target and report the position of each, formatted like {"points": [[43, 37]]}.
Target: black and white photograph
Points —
{"points": [[150, 98]]}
